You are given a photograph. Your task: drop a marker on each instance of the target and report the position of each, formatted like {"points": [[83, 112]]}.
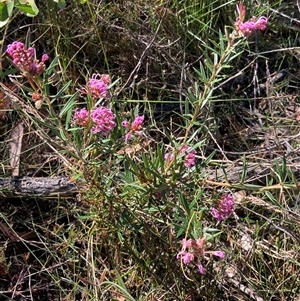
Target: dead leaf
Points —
{"points": [[15, 144], [38, 104], [239, 196], [132, 149], [9, 233]]}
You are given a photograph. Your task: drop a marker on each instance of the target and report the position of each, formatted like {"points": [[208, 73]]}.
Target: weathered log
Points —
{"points": [[37, 186]]}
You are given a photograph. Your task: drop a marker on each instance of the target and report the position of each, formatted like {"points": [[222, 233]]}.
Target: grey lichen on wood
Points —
{"points": [[37, 186]]}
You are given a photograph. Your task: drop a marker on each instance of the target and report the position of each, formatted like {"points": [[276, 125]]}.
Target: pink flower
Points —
{"points": [[219, 254], [169, 157], [137, 123], [189, 159], [128, 136], [201, 269], [45, 58], [195, 249], [186, 243], [103, 119], [81, 117], [125, 123], [249, 27], [186, 257], [180, 254], [15, 47], [97, 86], [261, 23], [25, 59], [134, 128], [105, 78], [224, 208]]}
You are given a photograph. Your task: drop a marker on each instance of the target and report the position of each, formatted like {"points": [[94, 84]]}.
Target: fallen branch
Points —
{"points": [[37, 186]]}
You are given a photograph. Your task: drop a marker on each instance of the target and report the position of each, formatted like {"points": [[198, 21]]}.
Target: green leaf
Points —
{"points": [[87, 217], [8, 72], [221, 41], [68, 107], [28, 7], [202, 73], [6, 8], [25, 9], [61, 92], [244, 171]]}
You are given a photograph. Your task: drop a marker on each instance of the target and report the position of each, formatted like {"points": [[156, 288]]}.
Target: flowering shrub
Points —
{"points": [[224, 208], [134, 128], [195, 249], [189, 159], [249, 27], [25, 58], [128, 190]]}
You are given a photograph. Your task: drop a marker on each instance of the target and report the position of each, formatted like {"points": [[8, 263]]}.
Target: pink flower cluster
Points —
{"points": [[25, 58], [101, 118], [189, 159], [224, 208], [97, 86], [249, 27], [81, 117], [134, 128], [195, 249]]}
